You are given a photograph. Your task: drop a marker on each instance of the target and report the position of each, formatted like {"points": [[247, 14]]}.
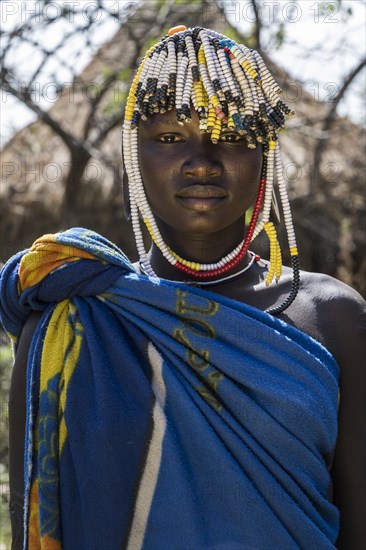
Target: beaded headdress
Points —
{"points": [[230, 87]]}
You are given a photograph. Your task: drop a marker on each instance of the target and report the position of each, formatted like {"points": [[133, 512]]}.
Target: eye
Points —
{"points": [[231, 137], [169, 138]]}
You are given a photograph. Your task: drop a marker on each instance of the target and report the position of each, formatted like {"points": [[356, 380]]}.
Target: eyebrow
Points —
{"points": [[155, 122]]}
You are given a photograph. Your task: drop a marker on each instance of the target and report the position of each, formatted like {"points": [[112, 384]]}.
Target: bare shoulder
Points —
{"points": [[339, 312], [325, 289], [340, 324], [332, 298]]}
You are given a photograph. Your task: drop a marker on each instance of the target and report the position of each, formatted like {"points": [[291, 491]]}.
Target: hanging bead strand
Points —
{"points": [[229, 86]]}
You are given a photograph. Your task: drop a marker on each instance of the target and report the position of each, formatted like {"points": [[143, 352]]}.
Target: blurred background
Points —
{"points": [[66, 67]]}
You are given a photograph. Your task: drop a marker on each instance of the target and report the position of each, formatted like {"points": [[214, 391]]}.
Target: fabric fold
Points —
{"points": [[160, 415]]}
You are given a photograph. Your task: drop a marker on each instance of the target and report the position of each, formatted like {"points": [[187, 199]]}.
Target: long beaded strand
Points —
{"points": [[230, 87]]}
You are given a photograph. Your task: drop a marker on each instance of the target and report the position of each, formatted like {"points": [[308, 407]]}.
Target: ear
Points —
{"points": [[126, 195]]}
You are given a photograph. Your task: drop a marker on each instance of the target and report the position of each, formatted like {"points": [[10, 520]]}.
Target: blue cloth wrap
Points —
{"points": [[193, 420]]}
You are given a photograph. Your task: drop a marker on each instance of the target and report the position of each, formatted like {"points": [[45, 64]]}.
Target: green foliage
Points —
{"points": [[6, 363], [152, 41], [124, 75], [326, 8], [232, 33], [120, 92], [248, 216], [106, 72], [280, 35], [113, 107], [5, 529]]}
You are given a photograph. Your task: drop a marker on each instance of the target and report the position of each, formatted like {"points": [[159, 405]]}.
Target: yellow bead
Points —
{"points": [[215, 101], [201, 56], [216, 131], [230, 123], [294, 251], [211, 121], [275, 267]]}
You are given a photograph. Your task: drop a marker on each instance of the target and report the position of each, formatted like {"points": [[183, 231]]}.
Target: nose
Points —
{"points": [[202, 164]]}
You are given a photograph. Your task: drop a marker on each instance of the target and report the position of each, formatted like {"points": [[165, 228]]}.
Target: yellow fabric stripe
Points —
{"points": [[45, 255], [53, 347], [62, 334]]}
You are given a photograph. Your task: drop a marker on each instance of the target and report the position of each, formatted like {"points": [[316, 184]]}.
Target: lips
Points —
{"points": [[202, 198], [199, 191]]}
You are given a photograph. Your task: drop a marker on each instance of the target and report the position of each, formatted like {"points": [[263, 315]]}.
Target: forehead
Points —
{"points": [[168, 119]]}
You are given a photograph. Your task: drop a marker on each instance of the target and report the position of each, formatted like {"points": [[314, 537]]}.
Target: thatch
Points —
{"points": [[328, 213]]}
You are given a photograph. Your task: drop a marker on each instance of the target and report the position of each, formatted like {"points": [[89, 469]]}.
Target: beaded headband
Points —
{"points": [[231, 88]]}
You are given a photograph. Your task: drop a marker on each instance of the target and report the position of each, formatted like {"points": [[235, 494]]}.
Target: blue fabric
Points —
{"points": [[246, 408]]}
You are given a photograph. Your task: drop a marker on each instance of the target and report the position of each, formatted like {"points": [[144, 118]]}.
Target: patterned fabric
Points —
{"points": [[165, 416]]}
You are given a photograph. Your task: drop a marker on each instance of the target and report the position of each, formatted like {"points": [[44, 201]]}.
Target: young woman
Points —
{"points": [[202, 397]]}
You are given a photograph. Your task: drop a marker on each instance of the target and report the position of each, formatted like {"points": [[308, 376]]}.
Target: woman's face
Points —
{"points": [[193, 186]]}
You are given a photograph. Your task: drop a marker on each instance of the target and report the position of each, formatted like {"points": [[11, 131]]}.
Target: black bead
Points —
{"points": [[216, 84], [225, 108], [248, 121], [238, 102], [141, 95], [294, 288], [171, 102], [172, 80], [196, 32], [135, 119], [195, 73]]}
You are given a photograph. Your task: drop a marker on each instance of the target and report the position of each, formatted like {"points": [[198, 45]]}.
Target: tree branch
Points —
{"points": [[258, 26], [24, 96], [104, 87], [112, 123], [322, 143], [346, 84]]}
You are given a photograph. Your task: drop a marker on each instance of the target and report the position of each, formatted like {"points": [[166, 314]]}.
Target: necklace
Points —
{"points": [[254, 259]]}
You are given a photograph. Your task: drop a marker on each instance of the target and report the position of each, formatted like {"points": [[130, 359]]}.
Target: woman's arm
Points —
{"points": [[17, 404], [349, 464]]}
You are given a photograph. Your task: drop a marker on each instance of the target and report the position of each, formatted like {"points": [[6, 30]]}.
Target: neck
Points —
{"points": [[198, 248]]}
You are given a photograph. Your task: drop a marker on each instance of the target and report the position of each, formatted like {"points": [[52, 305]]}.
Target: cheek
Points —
{"points": [[153, 161], [149, 168], [247, 173], [154, 172], [146, 162]]}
